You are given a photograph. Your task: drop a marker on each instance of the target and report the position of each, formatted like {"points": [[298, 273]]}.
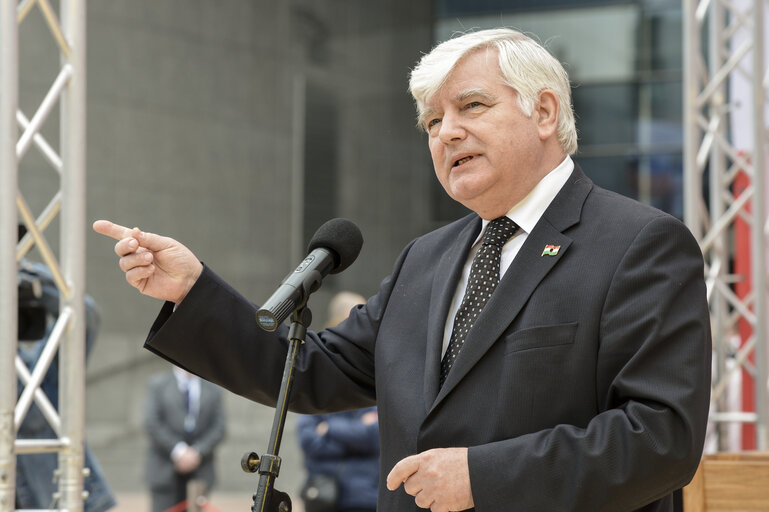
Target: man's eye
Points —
{"points": [[432, 122], [474, 104]]}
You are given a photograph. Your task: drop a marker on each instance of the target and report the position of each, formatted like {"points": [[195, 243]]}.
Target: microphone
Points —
{"points": [[333, 248]]}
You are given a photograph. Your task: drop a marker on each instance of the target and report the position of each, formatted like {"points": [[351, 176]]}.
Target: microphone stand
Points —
{"points": [[267, 498]]}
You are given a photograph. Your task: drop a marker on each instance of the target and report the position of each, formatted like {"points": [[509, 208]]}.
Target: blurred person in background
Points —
{"points": [[184, 419], [341, 450], [36, 483]]}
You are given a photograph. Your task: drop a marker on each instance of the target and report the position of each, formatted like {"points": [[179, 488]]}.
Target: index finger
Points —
{"points": [[112, 230], [402, 471]]}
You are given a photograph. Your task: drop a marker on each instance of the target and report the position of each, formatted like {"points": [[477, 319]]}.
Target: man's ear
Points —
{"points": [[547, 110]]}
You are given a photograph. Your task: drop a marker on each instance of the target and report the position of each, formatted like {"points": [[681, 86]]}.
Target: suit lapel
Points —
{"points": [[445, 281], [513, 291], [530, 266]]}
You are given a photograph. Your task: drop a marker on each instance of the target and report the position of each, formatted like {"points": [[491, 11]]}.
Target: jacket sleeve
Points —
{"points": [[213, 333]]}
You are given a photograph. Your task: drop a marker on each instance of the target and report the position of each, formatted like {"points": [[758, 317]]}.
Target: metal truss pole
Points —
{"points": [[8, 291], [713, 147], [73, 226], [758, 228], [67, 336]]}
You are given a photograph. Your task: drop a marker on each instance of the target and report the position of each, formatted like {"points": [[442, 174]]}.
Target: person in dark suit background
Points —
{"points": [[584, 382], [185, 421]]}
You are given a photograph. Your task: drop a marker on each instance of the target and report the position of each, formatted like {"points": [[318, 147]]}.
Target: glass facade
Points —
{"points": [[625, 62]]}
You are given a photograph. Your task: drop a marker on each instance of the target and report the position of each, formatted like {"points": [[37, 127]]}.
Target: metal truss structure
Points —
{"points": [[66, 259], [725, 190]]}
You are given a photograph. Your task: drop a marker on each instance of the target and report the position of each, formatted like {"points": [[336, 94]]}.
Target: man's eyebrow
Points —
{"points": [[473, 93], [430, 112]]}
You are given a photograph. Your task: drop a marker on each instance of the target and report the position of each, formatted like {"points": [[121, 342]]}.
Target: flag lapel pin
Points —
{"points": [[550, 250]]}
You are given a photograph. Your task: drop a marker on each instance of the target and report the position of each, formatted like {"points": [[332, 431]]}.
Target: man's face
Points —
{"points": [[487, 154]]}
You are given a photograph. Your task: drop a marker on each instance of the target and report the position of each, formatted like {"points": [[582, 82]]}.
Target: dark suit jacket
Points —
{"points": [[164, 423], [583, 386]]}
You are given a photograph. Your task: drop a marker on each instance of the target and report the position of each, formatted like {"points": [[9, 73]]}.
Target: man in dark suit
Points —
{"points": [[184, 419], [582, 385]]}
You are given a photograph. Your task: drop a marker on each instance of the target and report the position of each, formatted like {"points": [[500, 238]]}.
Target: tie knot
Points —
{"points": [[499, 231]]}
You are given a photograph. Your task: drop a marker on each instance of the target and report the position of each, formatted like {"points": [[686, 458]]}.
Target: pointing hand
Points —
{"points": [[157, 266]]}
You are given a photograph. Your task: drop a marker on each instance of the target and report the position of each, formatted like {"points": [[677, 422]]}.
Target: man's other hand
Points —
{"points": [[438, 479]]}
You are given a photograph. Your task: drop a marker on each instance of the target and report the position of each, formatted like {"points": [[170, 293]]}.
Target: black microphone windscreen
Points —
{"points": [[342, 237]]}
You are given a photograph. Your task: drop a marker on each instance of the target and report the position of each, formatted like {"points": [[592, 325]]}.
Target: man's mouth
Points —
{"points": [[463, 160]]}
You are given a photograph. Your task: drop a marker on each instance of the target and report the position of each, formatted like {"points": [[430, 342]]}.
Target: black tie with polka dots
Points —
{"points": [[484, 277]]}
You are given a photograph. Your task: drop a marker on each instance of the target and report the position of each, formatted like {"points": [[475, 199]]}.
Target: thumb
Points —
{"points": [[402, 471]]}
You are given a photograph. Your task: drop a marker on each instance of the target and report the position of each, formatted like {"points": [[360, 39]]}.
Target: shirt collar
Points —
{"points": [[530, 209]]}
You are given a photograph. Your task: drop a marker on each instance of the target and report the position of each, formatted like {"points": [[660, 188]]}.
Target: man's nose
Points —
{"points": [[451, 128]]}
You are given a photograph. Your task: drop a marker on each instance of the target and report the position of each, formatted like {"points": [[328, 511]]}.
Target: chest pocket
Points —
{"points": [[541, 337]]}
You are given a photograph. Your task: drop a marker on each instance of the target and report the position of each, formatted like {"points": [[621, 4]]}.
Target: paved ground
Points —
{"points": [[139, 502]]}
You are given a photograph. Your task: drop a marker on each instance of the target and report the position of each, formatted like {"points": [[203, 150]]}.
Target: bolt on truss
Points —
{"points": [[66, 339], [724, 195]]}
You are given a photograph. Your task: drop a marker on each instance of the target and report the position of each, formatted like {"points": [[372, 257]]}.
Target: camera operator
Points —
{"points": [[38, 299]]}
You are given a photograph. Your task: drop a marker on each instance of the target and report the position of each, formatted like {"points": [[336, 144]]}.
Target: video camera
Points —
{"points": [[33, 315]]}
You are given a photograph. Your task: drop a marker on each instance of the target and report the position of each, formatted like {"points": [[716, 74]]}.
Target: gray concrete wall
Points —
{"points": [[192, 133]]}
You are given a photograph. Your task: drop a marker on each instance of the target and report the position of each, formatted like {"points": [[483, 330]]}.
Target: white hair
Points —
{"points": [[526, 67]]}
